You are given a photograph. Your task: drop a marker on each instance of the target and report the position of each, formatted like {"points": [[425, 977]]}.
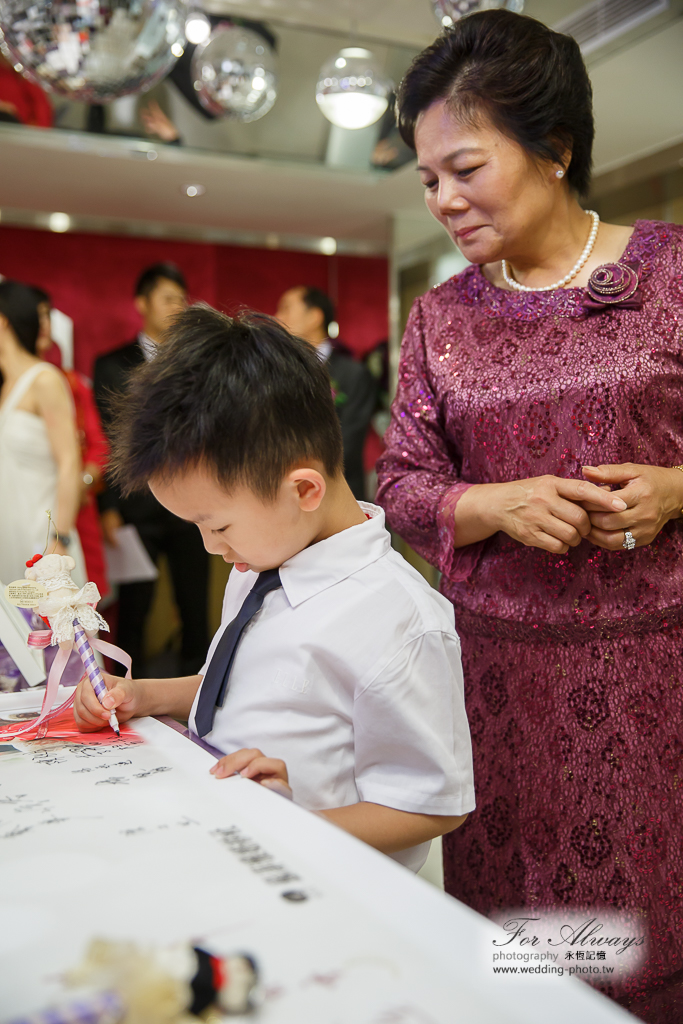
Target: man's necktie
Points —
{"points": [[215, 685]]}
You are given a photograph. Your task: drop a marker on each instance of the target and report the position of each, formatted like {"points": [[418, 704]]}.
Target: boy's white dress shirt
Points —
{"points": [[351, 674]]}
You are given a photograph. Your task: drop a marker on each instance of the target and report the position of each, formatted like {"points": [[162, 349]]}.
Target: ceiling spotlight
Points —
{"points": [[447, 12], [352, 92], [194, 190], [328, 246], [333, 329], [177, 50], [59, 222], [197, 27]]}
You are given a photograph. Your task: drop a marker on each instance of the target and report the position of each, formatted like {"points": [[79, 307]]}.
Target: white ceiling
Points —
{"points": [[109, 184], [408, 22], [639, 99], [110, 179], [308, 33]]}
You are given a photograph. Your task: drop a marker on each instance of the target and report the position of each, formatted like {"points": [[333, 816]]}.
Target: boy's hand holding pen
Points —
{"points": [[122, 699], [133, 698]]}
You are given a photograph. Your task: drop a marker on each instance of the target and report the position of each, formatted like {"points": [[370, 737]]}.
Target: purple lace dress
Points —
{"points": [[573, 663]]}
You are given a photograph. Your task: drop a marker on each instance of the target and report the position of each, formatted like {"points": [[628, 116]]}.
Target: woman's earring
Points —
{"points": [[559, 174]]}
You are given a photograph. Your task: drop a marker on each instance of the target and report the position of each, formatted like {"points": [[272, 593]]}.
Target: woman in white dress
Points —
{"points": [[40, 462]]}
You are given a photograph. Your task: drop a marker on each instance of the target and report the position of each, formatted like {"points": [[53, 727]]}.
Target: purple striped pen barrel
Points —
{"points": [[93, 670]]}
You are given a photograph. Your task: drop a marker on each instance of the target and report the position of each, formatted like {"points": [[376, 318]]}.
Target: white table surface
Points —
{"points": [[142, 858]]}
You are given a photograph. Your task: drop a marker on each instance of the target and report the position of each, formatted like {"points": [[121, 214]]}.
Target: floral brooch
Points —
{"points": [[616, 285]]}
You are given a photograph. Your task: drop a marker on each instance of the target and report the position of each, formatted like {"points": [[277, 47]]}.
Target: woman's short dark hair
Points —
{"points": [[19, 305], [530, 81], [238, 395]]}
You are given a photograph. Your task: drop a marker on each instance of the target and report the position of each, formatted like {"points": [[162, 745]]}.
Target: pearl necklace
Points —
{"points": [[511, 283]]}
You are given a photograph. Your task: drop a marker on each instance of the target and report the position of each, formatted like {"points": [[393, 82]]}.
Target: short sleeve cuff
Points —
{"points": [[415, 803], [456, 564]]}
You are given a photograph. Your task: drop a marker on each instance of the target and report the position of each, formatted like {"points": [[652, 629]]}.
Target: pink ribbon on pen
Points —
{"points": [[40, 638]]}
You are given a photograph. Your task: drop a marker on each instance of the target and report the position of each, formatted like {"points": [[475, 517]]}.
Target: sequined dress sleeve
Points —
{"points": [[420, 481]]}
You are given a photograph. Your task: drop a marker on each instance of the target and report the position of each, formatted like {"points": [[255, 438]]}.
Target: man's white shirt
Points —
{"points": [[149, 347], [351, 674], [324, 350]]}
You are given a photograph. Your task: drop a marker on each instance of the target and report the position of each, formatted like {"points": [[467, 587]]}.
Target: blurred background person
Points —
{"points": [[93, 445], [23, 101], [40, 461], [156, 122], [308, 313], [160, 294]]}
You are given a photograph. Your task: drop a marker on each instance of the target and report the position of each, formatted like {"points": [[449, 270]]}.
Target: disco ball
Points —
{"points": [[351, 91], [447, 12], [93, 50], [234, 73]]}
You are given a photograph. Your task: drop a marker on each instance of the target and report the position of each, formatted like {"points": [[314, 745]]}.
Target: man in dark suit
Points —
{"points": [[160, 293], [308, 313]]}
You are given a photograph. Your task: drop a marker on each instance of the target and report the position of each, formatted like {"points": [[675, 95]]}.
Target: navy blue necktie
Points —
{"points": [[215, 685]]}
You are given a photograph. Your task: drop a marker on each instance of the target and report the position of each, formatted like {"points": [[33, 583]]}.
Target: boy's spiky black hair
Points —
{"points": [[238, 395]]}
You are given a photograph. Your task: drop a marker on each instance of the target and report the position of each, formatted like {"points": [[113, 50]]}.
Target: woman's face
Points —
{"points": [[484, 188]]}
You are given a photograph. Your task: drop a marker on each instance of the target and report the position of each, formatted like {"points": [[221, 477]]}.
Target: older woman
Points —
{"points": [[533, 459]]}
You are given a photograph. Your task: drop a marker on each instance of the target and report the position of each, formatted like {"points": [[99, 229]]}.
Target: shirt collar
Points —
{"points": [[324, 350], [149, 347], [334, 559]]}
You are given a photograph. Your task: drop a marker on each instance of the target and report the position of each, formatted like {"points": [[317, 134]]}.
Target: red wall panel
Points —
{"points": [[358, 286], [91, 278]]}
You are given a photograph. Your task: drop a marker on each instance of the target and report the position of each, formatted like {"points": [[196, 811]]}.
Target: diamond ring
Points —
{"points": [[629, 541]]}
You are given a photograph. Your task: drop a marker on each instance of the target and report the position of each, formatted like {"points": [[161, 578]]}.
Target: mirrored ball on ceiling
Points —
{"points": [[235, 73], [93, 50]]}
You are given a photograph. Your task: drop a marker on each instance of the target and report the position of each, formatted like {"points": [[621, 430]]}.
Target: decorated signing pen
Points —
{"points": [[74, 621], [93, 669]]}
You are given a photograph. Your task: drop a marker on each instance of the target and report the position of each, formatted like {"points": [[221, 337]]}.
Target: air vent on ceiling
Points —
{"points": [[604, 20]]}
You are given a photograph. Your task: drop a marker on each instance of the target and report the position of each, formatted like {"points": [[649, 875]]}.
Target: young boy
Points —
{"points": [[336, 670]]}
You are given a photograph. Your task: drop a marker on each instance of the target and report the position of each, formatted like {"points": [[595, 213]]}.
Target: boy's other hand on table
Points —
{"points": [[123, 697], [253, 764]]}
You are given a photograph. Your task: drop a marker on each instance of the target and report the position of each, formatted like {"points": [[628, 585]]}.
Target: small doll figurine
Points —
{"points": [[65, 603], [74, 621], [72, 615], [127, 984]]}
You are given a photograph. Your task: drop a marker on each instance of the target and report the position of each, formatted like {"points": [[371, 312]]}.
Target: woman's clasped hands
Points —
{"points": [[548, 511], [652, 494], [554, 513]]}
